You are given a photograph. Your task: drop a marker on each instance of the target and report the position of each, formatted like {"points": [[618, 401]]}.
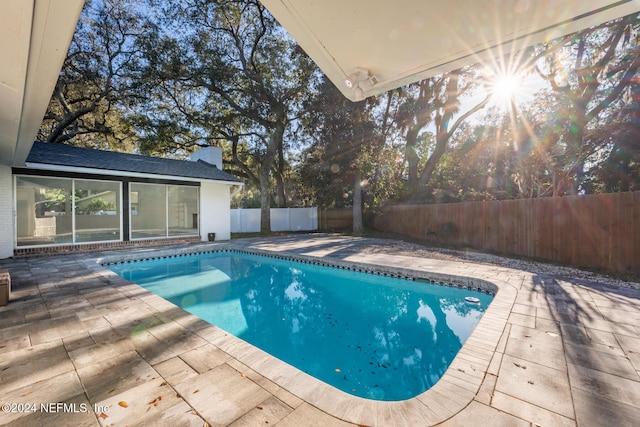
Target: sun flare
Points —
{"points": [[506, 90], [506, 87], [509, 90]]}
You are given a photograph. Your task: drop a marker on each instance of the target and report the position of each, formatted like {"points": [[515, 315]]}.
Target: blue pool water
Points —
{"points": [[372, 336]]}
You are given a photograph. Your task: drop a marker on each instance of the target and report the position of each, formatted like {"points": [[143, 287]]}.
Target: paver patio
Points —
{"points": [[549, 351]]}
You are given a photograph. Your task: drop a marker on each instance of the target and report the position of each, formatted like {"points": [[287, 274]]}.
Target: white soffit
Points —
{"points": [[400, 42], [34, 40]]}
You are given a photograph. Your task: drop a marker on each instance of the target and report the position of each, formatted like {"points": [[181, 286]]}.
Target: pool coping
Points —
{"points": [[451, 394]]}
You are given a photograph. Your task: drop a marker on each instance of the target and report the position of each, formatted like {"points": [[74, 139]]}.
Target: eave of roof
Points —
{"points": [[366, 47], [34, 40], [61, 157]]}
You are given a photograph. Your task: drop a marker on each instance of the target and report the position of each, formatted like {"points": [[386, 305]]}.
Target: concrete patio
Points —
{"points": [[550, 351]]}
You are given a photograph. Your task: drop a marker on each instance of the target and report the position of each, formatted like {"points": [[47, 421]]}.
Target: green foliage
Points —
{"points": [[229, 75], [98, 79], [346, 143], [432, 102], [577, 134], [588, 73], [165, 78], [95, 205], [54, 199], [620, 168]]}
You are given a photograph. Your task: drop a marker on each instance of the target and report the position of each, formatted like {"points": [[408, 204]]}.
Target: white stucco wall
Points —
{"points": [[6, 212], [215, 212]]}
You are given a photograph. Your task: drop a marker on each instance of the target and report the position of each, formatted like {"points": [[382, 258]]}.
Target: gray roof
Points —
{"points": [[67, 155]]}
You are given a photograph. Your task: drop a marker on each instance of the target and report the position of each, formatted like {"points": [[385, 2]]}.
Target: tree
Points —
{"points": [[588, 71], [620, 170], [547, 148], [98, 78], [345, 149], [503, 156], [234, 75], [433, 101]]}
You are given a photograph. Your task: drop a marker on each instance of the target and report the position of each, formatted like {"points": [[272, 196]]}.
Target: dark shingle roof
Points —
{"points": [[67, 155]]}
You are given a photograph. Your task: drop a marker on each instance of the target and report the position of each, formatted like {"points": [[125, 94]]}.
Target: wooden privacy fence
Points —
{"points": [[335, 219], [601, 231]]}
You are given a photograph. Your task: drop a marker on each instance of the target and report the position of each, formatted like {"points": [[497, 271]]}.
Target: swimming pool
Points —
{"points": [[377, 337]]}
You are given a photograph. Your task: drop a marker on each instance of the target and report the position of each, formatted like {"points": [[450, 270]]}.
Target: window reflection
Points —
{"points": [[97, 211], [43, 211], [159, 210], [148, 211]]}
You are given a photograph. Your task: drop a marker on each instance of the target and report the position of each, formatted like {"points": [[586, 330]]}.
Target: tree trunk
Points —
{"points": [[418, 192], [357, 206], [265, 175], [575, 146], [281, 197], [412, 157], [265, 199]]}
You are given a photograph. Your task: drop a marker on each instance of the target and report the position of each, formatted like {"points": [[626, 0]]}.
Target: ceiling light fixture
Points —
{"points": [[360, 80], [351, 80]]}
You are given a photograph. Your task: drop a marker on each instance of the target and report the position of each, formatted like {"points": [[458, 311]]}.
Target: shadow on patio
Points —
{"points": [[569, 353], [98, 344], [596, 325]]}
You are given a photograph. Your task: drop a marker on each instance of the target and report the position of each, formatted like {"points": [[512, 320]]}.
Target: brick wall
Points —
{"points": [[97, 247], [6, 212]]}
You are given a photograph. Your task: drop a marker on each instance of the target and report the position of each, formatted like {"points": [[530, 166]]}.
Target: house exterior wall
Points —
{"points": [[215, 213], [6, 212], [213, 217]]}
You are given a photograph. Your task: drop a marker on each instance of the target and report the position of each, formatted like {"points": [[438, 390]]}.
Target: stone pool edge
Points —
{"points": [[462, 381]]}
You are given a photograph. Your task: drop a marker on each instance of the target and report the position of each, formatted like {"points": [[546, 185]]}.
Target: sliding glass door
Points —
{"points": [[57, 211], [159, 210]]}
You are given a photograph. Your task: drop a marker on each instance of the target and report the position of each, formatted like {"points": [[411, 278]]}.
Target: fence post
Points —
{"points": [[315, 212]]}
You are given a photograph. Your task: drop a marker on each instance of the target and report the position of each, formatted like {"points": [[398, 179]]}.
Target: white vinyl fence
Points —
{"points": [[282, 219]]}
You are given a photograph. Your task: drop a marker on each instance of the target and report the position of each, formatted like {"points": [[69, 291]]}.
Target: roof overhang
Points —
{"points": [[34, 40], [367, 47], [112, 173]]}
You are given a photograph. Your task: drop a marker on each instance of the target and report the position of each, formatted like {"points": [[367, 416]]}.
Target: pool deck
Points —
{"points": [[549, 351]]}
